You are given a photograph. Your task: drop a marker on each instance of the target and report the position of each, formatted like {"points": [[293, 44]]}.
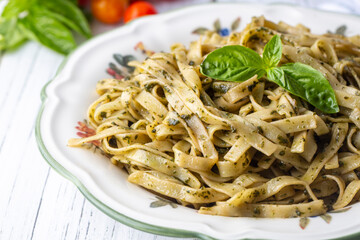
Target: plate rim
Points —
{"points": [[122, 218]]}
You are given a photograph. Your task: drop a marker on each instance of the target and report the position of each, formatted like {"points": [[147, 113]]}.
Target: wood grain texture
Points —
{"points": [[35, 201]]}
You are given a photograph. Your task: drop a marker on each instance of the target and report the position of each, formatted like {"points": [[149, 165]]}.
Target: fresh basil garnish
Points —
{"points": [[238, 63], [272, 52], [305, 82], [233, 63], [311, 85]]}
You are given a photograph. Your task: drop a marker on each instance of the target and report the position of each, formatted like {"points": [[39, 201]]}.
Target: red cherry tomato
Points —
{"points": [[108, 11], [138, 9]]}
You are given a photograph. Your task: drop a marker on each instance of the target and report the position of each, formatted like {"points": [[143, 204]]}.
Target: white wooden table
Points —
{"points": [[35, 201]]}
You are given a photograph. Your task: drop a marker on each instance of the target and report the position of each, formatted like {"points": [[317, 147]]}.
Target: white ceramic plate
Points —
{"points": [[67, 96]]}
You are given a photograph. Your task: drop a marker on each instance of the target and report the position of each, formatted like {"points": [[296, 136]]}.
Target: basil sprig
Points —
{"points": [[49, 22], [238, 63], [233, 63]]}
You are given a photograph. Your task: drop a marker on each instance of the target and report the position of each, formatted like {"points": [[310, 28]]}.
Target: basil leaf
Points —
{"points": [[68, 13], [63, 20], [276, 75], [11, 35], [15, 7], [307, 83], [232, 63], [272, 52], [73, 1], [48, 31]]}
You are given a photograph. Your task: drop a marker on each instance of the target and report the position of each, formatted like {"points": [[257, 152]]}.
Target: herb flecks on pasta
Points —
{"points": [[245, 149]]}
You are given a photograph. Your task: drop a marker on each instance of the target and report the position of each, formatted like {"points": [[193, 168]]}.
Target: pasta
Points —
{"points": [[244, 149]]}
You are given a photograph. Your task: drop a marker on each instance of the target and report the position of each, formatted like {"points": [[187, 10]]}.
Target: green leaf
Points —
{"points": [[326, 217], [217, 25], [158, 203], [73, 1], [48, 31], [303, 222], [15, 7], [67, 22], [232, 63], [124, 60], [272, 52], [341, 30], [69, 14], [276, 75], [162, 202], [235, 25], [173, 205], [11, 35], [200, 30], [306, 83]]}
